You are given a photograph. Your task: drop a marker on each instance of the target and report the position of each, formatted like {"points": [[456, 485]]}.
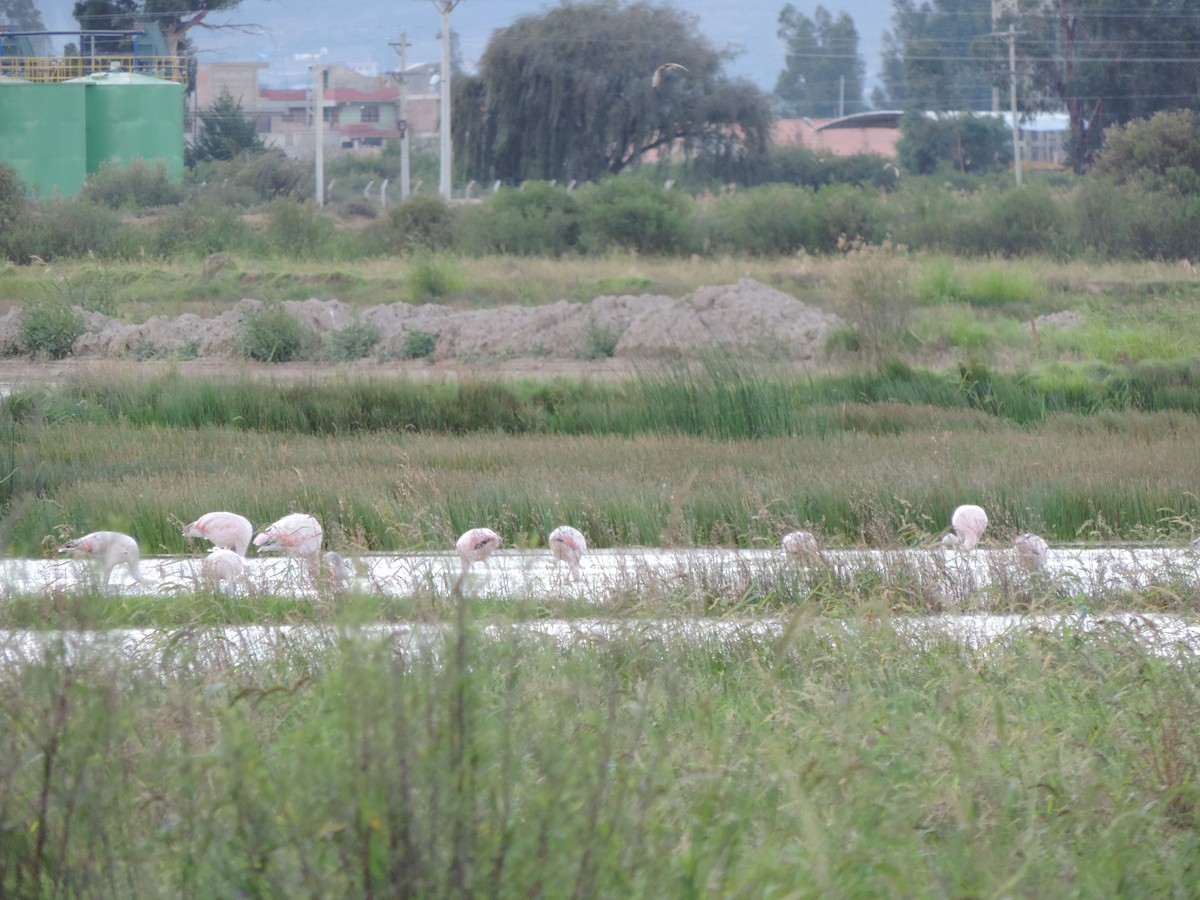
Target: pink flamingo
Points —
{"points": [[109, 549], [1032, 550], [568, 545], [222, 529], [298, 534], [968, 523], [476, 545], [223, 565], [799, 543]]}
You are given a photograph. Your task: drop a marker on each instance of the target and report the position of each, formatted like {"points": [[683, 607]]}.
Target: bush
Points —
{"points": [[296, 228], [140, 185], [433, 277], [49, 327], [766, 221], [1159, 149], [419, 223], [271, 334], [353, 341], [630, 213], [418, 344], [198, 229], [538, 219], [72, 228]]}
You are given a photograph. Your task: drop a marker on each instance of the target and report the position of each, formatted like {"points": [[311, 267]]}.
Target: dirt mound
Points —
{"points": [[744, 317]]}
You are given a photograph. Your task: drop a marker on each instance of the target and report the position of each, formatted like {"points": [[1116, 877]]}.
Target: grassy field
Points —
{"points": [[842, 758], [830, 762]]}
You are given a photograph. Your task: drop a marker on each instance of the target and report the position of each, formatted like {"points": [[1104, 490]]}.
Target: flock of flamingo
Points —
{"points": [[300, 535]]}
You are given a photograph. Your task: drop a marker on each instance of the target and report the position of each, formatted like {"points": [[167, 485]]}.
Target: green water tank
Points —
{"points": [[42, 135], [131, 116]]}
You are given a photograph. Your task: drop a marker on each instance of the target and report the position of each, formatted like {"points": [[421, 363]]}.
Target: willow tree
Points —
{"points": [[587, 89]]}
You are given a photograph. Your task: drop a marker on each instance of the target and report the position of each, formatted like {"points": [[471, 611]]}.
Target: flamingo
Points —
{"points": [[475, 545], [799, 543], [968, 523], [298, 534], [657, 77], [109, 549], [223, 529], [223, 565], [1031, 550], [568, 545]]}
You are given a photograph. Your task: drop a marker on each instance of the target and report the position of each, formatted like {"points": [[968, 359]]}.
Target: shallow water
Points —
{"points": [[162, 650], [511, 574]]}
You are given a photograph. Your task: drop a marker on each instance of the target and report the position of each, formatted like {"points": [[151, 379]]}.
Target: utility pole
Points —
{"points": [[1012, 100], [841, 96], [446, 6], [401, 49], [319, 73]]}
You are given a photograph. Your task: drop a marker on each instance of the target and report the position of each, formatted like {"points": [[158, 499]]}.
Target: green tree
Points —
{"points": [[966, 142], [588, 88], [939, 56], [1107, 63], [106, 15], [21, 15], [824, 73], [1162, 152], [225, 132], [174, 18]]}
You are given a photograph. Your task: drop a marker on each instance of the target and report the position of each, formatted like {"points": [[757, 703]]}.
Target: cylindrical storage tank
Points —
{"points": [[42, 135], [131, 116]]}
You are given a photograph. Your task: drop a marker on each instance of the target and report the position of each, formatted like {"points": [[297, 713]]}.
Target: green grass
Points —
{"points": [[831, 762]]}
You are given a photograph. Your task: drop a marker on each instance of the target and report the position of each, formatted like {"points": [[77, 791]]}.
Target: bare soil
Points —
{"points": [[606, 338]]}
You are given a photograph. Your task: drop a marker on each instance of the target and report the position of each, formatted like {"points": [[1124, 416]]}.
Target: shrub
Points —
{"points": [[418, 344], [766, 221], [73, 228], [353, 341], [419, 223], [198, 229], [295, 228], [432, 277], [270, 334], [137, 186], [49, 327], [539, 219], [1158, 149], [634, 214]]}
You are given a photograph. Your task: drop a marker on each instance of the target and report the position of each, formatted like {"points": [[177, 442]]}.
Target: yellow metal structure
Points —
{"points": [[54, 69]]}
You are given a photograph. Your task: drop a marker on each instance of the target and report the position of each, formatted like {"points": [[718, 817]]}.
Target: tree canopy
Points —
{"points": [[824, 73], [940, 56], [586, 89], [225, 132], [174, 18], [1107, 63]]}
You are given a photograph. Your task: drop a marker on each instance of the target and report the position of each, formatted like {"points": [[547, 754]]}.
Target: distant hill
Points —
{"points": [[357, 32]]}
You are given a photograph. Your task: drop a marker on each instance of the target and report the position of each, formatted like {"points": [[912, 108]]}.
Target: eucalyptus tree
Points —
{"points": [[823, 74], [588, 89], [1107, 62], [940, 55], [175, 18]]}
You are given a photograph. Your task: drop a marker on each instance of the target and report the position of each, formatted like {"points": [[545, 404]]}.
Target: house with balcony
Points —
{"points": [[360, 112]]}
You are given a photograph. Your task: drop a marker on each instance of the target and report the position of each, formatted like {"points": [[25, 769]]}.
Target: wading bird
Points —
{"points": [[799, 543], [1031, 550], [968, 523], [298, 534], [223, 565], [476, 545], [109, 549], [568, 545], [222, 529]]}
